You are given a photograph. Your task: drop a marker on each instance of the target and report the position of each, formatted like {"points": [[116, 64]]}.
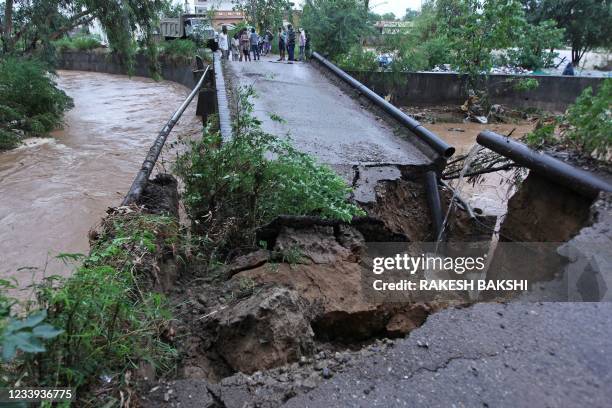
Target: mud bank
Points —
{"points": [[278, 322]]}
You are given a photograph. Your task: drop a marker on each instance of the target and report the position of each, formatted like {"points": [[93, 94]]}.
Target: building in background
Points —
{"points": [[221, 11]]}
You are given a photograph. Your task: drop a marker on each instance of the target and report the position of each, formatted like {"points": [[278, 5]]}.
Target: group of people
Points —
{"points": [[287, 40], [247, 42]]}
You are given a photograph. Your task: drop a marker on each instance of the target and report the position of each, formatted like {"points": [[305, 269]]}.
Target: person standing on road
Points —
{"points": [[236, 56], [307, 45], [302, 44], [281, 44], [268, 37], [224, 43], [245, 44], [291, 43], [254, 39]]}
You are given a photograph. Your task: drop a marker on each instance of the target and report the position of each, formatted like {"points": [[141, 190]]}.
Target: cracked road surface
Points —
{"points": [[488, 355], [320, 118]]}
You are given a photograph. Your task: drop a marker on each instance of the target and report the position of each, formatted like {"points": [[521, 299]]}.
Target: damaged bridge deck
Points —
{"points": [[321, 118]]}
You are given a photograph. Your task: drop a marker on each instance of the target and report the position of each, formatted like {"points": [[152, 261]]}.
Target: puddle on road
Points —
{"points": [[492, 192], [54, 190]]}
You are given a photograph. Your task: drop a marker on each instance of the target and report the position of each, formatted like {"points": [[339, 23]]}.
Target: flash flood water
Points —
{"points": [[54, 190]]}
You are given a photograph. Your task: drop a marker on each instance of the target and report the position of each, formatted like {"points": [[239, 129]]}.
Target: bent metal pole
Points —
{"points": [[147, 166], [544, 165]]}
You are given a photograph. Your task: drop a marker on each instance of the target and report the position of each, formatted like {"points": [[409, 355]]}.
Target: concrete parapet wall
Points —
{"points": [[554, 93], [175, 71]]}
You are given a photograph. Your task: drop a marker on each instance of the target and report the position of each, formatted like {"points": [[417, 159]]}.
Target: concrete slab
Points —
{"points": [[319, 117]]}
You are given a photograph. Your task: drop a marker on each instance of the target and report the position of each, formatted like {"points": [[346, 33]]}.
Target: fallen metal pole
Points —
{"points": [[438, 145], [147, 166], [433, 200], [544, 165]]}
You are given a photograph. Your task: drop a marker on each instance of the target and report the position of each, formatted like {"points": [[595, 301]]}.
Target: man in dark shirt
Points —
{"points": [[290, 42]]}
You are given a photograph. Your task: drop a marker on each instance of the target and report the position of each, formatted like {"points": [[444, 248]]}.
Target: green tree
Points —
{"points": [[28, 24], [388, 17], [536, 45], [264, 14], [410, 14], [587, 23], [474, 28], [170, 9], [335, 25]]}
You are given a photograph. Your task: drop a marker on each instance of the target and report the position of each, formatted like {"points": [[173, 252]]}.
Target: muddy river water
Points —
{"points": [[492, 191], [54, 190]]}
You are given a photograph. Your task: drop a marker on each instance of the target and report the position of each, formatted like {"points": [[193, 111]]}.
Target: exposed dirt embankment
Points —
{"points": [[277, 321]]}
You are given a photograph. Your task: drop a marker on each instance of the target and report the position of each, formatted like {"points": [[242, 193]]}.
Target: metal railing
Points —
{"points": [[578, 180], [438, 145], [144, 173]]}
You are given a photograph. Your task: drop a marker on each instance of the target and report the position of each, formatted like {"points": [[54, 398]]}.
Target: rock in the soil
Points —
{"points": [[269, 329], [316, 244], [248, 261]]}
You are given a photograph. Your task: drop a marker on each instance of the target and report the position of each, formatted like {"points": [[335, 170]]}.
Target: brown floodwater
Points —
{"points": [[491, 193], [54, 190]]}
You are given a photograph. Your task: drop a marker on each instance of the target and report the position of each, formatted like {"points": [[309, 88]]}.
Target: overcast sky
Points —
{"points": [[398, 7]]}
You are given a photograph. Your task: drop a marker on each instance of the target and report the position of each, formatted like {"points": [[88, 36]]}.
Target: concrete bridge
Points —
{"points": [[516, 354], [321, 118]]}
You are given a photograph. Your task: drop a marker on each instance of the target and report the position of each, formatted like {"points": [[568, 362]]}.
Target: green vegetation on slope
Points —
{"points": [[79, 42], [585, 128], [233, 187], [102, 322], [30, 102]]}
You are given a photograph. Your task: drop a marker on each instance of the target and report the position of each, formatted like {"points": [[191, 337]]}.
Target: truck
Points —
{"points": [[194, 26]]}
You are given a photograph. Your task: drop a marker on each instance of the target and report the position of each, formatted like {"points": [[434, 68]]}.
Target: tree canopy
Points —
{"points": [[26, 24], [335, 25], [265, 14], [587, 23]]}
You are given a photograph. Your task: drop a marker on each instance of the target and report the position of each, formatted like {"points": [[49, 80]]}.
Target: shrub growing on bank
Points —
{"points": [[585, 128], [30, 102], [590, 119], [103, 321], [179, 48], [80, 42], [233, 187]]}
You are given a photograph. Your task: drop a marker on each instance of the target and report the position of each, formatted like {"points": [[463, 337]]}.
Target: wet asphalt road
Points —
{"points": [[320, 118], [489, 355]]}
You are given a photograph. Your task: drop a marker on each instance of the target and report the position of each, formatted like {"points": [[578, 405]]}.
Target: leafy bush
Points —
{"points": [[358, 59], [107, 322], [80, 42], [586, 127], [179, 49], [524, 84], [590, 119], [30, 102], [234, 187]]}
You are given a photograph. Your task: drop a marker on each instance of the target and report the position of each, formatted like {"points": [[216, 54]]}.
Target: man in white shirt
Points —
{"points": [[224, 43]]}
